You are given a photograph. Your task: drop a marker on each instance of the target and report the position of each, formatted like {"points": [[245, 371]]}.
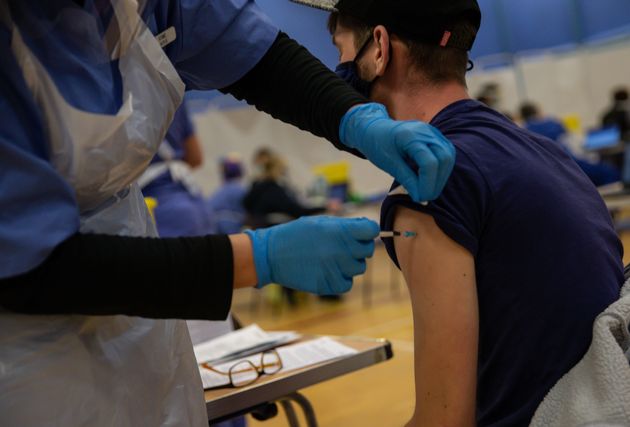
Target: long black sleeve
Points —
{"points": [[183, 278], [292, 85]]}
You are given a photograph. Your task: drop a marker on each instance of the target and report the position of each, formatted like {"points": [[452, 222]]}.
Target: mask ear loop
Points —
{"points": [[363, 48], [471, 65]]}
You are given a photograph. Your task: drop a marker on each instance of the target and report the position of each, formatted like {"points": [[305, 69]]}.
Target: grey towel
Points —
{"points": [[597, 390]]}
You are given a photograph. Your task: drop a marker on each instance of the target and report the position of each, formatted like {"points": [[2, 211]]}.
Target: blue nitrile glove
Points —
{"points": [[318, 254], [389, 143]]}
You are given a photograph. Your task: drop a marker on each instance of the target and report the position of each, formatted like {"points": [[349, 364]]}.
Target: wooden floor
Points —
{"points": [[378, 396]]}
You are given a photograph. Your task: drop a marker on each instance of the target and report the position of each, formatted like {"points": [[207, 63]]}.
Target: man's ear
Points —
{"points": [[383, 49]]}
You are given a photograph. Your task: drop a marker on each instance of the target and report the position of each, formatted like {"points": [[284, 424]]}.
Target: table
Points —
{"points": [[226, 403], [615, 195], [617, 198]]}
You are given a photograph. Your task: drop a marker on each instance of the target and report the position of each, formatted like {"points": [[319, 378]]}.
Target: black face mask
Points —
{"points": [[349, 72]]}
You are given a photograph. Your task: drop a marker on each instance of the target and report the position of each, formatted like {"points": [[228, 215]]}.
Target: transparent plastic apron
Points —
{"points": [[108, 370]]}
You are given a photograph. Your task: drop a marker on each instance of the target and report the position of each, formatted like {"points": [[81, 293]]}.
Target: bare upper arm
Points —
{"points": [[440, 275]]}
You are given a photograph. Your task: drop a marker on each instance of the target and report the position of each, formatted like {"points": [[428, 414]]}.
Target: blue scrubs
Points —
{"points": [[218, 42], [550, 128], [599, 173], [179, 213], [226, 207]]}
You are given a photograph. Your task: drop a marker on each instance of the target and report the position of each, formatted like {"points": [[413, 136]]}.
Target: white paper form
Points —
{"points": [[295, 356], [311, 352], [250, 338]]}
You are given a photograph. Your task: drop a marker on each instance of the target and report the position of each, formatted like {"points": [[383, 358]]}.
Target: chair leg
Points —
{"points": [[290, 413], [307, 408]]}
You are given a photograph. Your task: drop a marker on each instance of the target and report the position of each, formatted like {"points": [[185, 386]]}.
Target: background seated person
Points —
{"points": [[516, 258], [534, 121], [226, 204], [619, 113], [270, 200], [181, 210], [599, 173]]}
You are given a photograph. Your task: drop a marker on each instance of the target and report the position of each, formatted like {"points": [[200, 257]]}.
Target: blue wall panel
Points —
{"points": [[539, 24], [306, 25], [507, 25], [603, 16], [491, 38]]}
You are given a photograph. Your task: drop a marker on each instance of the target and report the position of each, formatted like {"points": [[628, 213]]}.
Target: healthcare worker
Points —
{"points": [[226, 203], [87, 90], [181, 209]]}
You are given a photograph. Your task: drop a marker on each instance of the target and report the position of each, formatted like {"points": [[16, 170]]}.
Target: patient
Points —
{"points": [[515, 259]]}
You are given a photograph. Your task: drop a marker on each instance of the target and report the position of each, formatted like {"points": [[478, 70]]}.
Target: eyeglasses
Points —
{"points": [[244, 373]]}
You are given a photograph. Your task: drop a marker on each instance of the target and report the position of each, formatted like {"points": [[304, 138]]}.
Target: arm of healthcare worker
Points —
{"points": [[293, 86], [182, 131], [190, 278], [193, 154], [232, 45]]}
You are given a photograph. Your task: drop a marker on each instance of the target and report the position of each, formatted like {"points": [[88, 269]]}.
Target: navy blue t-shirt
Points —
{"points": [[547, 257]]}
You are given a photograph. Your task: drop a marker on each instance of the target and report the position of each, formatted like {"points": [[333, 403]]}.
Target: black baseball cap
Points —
{"points": [[429, 21]]}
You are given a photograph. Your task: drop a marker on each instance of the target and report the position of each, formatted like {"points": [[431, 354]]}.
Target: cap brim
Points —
{"points": [[328, 5]]}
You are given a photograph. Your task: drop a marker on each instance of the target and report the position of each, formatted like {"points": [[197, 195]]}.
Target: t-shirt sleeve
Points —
{"points": [[459, 211], [218, 41]]}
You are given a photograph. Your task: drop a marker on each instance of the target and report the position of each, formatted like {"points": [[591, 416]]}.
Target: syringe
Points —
{"points": [[392, 234]]}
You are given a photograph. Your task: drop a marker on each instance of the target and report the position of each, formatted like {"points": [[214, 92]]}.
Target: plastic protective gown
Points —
{"points": [[87, 97]]}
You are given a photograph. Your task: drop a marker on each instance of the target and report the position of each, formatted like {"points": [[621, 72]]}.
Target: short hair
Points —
{"points": [[529, 111], [274, 167], [621, 94], [438, 64], [361, 30], [262, 153]]}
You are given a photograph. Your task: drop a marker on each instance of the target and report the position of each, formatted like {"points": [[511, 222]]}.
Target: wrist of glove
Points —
{"points": [[319, 255], [356, 122], [416, 154]]}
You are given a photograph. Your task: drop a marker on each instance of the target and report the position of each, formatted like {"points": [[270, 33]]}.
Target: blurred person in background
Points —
{"points": [[490, 94], [619, 113], [261, 157], [270, 200], [534, 121], [181, 210], [226, 204]]}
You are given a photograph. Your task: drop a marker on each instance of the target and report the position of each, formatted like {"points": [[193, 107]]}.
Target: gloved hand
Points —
{"points": [[319, 255], [388, 143]]}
